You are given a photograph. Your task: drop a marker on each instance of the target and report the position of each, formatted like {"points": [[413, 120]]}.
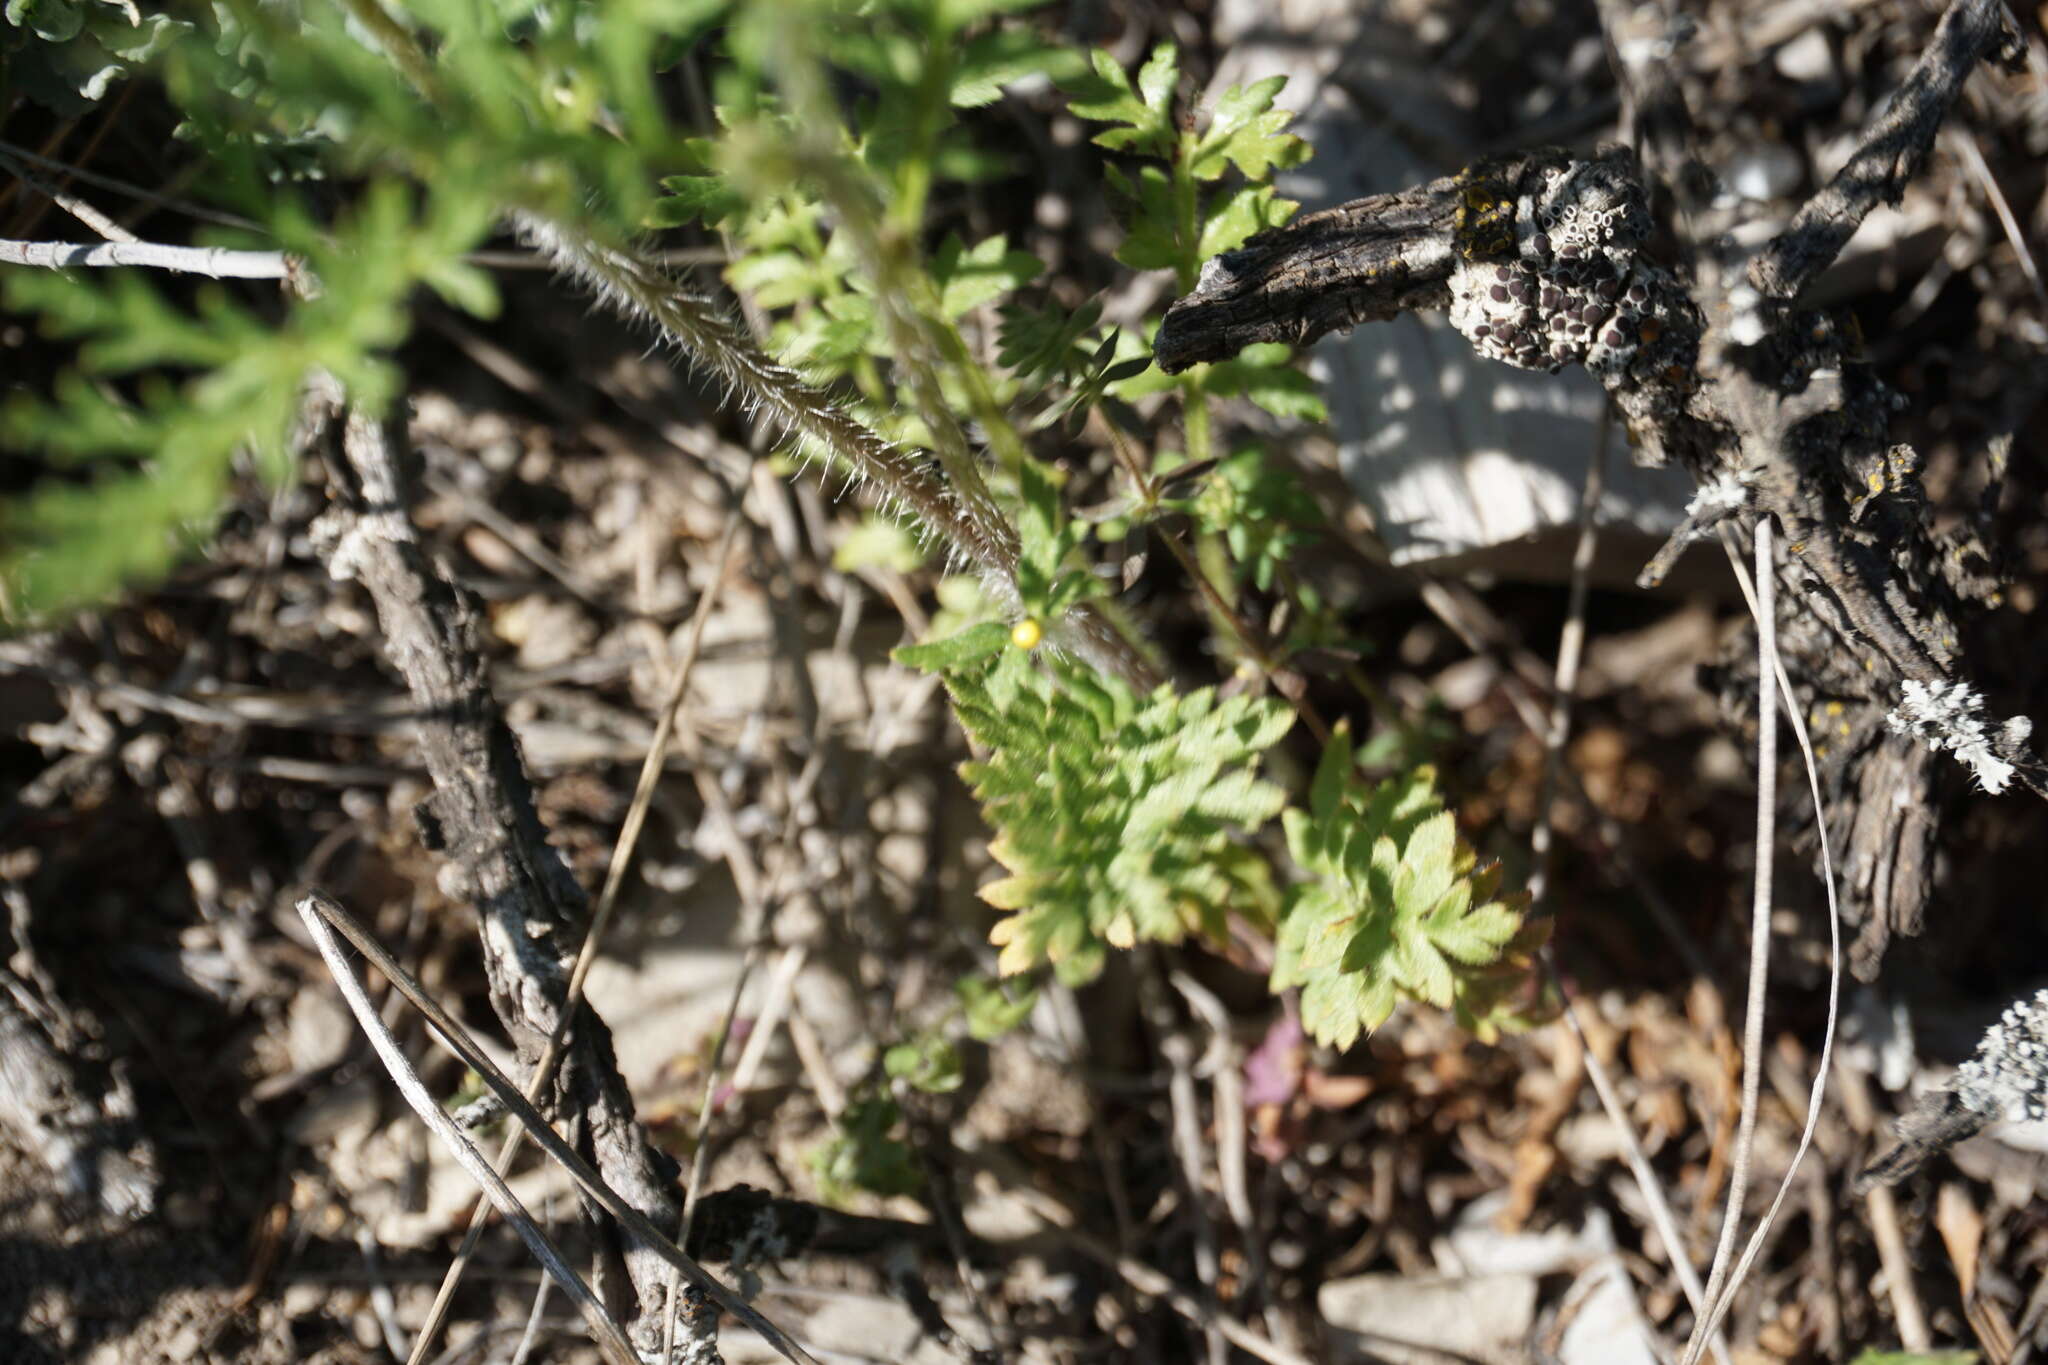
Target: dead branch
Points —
{"points": [[1892, 152], [482, 818], [58, 1098], [1541, 260], [318, 905]]}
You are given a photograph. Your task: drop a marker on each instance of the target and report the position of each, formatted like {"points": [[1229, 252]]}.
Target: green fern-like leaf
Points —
{"points": [[1398, 908], [1114, 813]]}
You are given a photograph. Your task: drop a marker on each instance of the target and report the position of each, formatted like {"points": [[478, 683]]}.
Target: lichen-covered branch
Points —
{"points": [[2005, 1082], [1537, 257], [1540, 263], [1366, 261], [1541, 260]]}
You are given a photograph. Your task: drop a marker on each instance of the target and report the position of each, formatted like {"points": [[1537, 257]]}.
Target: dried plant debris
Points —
{"points": [[199, 1164]]}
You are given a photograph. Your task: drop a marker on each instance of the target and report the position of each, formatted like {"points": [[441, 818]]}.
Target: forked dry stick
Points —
{"points": [[316, 905], [610, 1340], [483, 819]]}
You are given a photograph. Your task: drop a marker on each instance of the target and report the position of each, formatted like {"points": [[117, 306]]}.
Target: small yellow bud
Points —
{"points": [[1027, 633]]}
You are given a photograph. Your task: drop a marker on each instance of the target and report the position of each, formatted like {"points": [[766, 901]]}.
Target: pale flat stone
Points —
{"points": [[1401, 1319]]}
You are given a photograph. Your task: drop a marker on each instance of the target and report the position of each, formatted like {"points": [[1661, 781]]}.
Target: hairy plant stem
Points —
{"points": [[977, 534]]}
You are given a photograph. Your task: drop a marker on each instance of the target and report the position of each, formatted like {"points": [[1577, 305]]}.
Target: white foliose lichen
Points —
{"points": [[2007, 1081], [1951, 716], [1726, 492]]}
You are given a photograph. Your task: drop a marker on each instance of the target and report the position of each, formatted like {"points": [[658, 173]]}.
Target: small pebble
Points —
{"points": [[1768, 171]]}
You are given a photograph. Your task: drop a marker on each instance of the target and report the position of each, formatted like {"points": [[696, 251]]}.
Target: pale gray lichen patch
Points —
{"points": [[2008, 1078]]}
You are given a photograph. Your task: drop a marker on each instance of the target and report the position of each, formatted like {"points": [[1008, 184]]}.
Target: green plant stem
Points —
{"points": [[1187, 214], [959, 508], [914, 178]]}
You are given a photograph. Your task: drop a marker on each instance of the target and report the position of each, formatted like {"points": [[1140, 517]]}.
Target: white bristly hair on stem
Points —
{"points": [[956, 506], [700, 329]]}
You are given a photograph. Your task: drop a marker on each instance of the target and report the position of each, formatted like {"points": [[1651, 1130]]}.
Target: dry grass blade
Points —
{"points": [[1571, 645], [458, 1041], [1564, 687], [1758, 594], [700, 1145], [1759, 924], [1661, 1216]]}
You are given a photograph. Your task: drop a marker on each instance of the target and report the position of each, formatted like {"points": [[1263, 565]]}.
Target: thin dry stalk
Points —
{"points": [[1767, 641], [1966, 142], [531, 1335], [1661, 1217], [700, 1145], [71, 204], [1184, 1100], [133, 191], [606, 1333], [1892, 1252], [1759, 918], [1148, 1281], [1571, 645], [1564, 689]]}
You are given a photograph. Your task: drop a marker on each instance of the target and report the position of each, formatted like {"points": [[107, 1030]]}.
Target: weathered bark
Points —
{"points": [[482, 818], [1892, 152]]}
